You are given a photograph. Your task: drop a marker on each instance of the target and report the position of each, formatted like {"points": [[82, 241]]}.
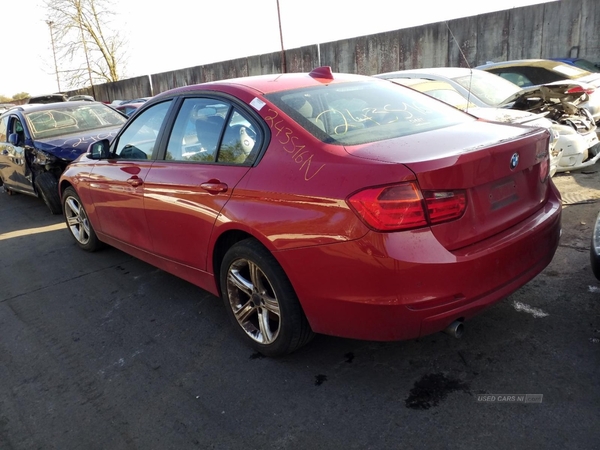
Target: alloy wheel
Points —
{"points": [[77, 220], [253, 301]]}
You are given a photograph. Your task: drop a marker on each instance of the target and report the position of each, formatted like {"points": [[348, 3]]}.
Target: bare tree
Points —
{"points": [[85, 42], [20, 96]]}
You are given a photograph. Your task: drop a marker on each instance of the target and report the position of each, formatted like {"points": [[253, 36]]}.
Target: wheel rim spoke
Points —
{"points": [[73, 206], [243, 313], [85, 223], [72, 221], [271, 305], [240, 282], [256, 277], [264, 325]]}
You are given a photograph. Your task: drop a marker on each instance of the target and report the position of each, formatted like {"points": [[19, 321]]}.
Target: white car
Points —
{"points": [[534, 72], [574, 143]]}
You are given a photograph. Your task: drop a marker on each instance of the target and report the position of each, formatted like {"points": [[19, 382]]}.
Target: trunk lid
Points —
{"points": [[546, 95], [500, 167]]}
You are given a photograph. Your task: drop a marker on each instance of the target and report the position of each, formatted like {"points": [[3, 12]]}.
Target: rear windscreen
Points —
{"points": [[362, 112]]}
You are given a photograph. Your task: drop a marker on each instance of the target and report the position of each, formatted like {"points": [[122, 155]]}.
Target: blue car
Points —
{"points": [[38, 141]]}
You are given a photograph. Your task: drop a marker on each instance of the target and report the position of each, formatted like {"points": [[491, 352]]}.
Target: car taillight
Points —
{"points": [[544, 158], [445, 205], [544, 170], [403, 206], [580, 90]]}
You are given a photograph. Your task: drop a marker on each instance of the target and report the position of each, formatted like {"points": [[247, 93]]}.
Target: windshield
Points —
{"points": [[449, 96], [53, 122], [367, 111], [489, 88]]}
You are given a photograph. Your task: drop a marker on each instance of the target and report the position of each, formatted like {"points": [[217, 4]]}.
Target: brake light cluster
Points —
{"points": [[403, 206], [581, 89]]}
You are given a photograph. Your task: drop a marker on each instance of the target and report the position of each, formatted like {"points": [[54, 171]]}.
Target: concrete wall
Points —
{"points": [[556, 29]]}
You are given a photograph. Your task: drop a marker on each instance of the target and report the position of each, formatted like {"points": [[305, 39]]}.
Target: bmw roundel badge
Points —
{"points": [[514, 161]]}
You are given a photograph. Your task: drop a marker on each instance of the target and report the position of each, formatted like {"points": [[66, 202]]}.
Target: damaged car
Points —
{"points": [[37, 142], [578, 134], [575, 145], [535, 72]]}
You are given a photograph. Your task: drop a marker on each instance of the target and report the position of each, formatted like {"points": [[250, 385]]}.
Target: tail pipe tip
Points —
{"points": [[455, 329]]}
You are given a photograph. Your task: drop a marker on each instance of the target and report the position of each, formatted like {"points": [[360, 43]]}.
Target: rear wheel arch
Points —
{"points": [[224, 242]]}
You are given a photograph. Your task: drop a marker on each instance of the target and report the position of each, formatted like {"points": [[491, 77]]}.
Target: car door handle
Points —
{"points": [[214, 187], [135, 181]]}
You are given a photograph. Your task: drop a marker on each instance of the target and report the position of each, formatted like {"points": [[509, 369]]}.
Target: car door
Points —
{"points": [[14, 167], [117, 183], [212, 145]]}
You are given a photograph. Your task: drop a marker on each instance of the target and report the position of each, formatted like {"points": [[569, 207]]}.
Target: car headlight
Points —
{"points": [[42, 158]]}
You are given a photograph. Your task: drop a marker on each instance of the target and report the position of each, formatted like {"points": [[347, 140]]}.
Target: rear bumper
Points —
{"points": [[404, 285]]}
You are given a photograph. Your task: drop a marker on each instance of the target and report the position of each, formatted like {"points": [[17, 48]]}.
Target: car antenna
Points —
{"points": [[466, 62]]}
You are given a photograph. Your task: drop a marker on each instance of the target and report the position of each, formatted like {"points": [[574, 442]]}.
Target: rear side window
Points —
{"points": [[213, 131], [361, 112]]}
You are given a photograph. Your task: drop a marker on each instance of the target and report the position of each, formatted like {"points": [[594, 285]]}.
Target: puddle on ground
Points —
{"points": [[320, 379], [431, 389]]}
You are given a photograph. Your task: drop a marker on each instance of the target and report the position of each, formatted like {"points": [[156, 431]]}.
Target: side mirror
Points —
{"points": [[13, 138], [99, 150]]}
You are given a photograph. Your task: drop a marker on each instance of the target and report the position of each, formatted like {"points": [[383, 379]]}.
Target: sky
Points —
{"points": [[186, 33]]}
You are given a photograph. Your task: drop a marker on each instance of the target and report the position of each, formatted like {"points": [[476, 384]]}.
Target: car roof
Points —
{"points": [[30, 107], [266, 84], [547, 63], [447, 72], [424, 84]]}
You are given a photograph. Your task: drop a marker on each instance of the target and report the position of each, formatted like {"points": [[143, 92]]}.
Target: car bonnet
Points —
{"points": [[70, 146]]}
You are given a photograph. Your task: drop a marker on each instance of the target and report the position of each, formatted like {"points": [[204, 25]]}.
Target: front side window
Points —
{"points": [[16, 127], [213, 131], [367, 111], [139, 138]]}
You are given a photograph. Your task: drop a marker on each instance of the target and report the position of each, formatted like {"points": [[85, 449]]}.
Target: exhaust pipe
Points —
{"points": [[455, 329]]}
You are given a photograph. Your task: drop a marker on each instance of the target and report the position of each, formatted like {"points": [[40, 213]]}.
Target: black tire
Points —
{"points": [[46, 185], [78, 223], [253, 283], [595, 248]]}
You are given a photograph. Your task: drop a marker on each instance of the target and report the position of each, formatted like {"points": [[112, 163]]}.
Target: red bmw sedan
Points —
{"points": [[322, 203]]}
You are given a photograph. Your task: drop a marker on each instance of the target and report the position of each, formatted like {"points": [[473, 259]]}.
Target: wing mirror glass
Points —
{"points": [[99, 150]]}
